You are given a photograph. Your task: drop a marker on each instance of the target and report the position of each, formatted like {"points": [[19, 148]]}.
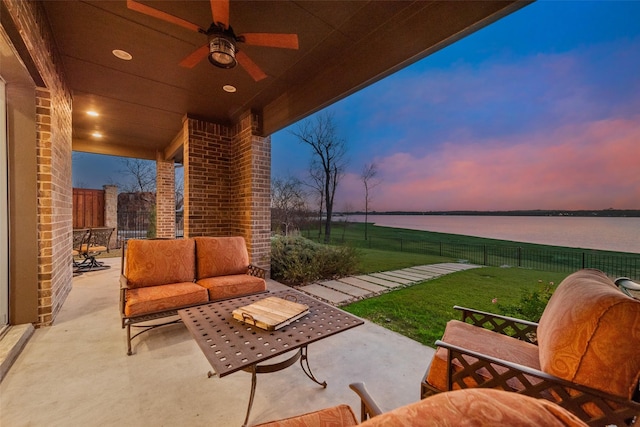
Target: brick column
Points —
{"points": [[207, 179], [53, 140], [227, 173], [111, 212], [252, 183], [165, 199]]}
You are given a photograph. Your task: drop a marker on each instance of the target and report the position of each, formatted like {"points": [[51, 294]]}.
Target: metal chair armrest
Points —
{"points": [[368, 407], [256, 271], [628, 286], [514, 377], [517, 328], [124, 286]]}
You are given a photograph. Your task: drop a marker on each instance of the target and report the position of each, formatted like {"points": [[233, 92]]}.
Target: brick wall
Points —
{"points": [[53, 147], [227, 183], [165, 199]]}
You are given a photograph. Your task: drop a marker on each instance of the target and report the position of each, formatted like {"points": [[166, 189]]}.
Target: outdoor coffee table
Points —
{"points": [[230, 345]]}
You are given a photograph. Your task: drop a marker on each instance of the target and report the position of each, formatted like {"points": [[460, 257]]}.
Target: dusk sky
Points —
{"points": [[540, 110]]}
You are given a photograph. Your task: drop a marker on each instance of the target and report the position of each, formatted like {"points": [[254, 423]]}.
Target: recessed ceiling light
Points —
{"points": [[93, 113], [229, 88], [96, 135], [121, 54]]}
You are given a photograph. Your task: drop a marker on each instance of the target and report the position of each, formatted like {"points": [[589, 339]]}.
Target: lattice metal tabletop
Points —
{"points": [[231, 345]]}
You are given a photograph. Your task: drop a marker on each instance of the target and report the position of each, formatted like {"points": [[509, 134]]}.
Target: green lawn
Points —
{"points": [[421, 311], [373, 260]]}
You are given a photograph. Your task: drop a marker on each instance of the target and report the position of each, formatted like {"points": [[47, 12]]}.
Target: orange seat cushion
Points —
{"points": [[232, 286], [337, 416], [159, 262], [221, 256], [163, 297], [483, 341], [477, 407], [589, 334]]}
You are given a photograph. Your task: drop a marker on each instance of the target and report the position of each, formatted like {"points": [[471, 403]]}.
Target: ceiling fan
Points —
{"points": [[222, 44]]}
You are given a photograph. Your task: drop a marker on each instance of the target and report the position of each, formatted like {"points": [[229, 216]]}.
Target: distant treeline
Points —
{"points": [[537, 212]]}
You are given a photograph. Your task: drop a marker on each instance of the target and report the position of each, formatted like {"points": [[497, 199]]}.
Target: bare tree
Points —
{"points": [[316, 182], [368, 176], [329, 152], [287, 202], [140, 175]]}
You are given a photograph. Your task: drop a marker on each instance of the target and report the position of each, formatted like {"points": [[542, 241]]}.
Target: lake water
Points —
{"points": [[612, 234]]}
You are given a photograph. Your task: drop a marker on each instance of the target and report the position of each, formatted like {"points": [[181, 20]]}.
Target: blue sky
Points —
{"points": [[540, 110]]}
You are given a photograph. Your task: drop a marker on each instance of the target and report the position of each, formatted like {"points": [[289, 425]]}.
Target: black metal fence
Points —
{"points": [[141, 225], [615, 264]]}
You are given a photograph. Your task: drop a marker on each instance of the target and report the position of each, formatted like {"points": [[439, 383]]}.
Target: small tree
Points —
{"points": [[368, 176], [329, 152], [140, 176], [287, 203]]}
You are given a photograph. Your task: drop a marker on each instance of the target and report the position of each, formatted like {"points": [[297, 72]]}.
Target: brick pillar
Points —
{"points": [[165, 199], [252, 181], [207, 195], [227, 173], [111, 212], [53, 139]]}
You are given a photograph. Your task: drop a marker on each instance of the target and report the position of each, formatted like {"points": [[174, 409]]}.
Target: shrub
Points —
{"points": [[531, 305], [296, 260]]}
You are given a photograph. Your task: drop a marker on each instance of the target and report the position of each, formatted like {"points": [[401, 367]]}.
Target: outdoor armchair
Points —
{"points": [[583, 355], [88, 243]]}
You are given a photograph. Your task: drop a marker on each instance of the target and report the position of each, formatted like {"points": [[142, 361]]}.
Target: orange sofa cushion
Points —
{"points": [[589, 334], [338, 416], [159, 262], [221, 256], [482, 341], [232, 286], [163, 297], [477, 407]]}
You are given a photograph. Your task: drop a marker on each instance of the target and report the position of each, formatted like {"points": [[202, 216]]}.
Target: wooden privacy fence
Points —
{"points": [[88, 208]]}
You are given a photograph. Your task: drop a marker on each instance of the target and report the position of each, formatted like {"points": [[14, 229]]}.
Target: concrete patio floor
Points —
{"points": [[77, 373]]}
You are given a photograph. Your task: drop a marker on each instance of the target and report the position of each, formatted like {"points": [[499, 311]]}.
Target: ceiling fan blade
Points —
{"points": [[194, 58], [285, 41], [250, 66], [139, 7], [220, 12]]}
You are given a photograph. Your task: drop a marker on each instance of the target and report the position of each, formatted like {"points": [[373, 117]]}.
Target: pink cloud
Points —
{"points": [[589, 166]]}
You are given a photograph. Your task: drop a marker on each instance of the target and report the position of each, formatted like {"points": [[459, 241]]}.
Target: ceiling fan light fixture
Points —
{"points": [[222, 52]]}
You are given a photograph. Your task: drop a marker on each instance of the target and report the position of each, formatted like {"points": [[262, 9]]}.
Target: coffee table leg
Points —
{"points": [[254, 380], [304, 363]]}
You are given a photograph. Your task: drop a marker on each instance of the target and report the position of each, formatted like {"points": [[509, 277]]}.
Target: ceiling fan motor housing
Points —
{"points": [[222, 51]]}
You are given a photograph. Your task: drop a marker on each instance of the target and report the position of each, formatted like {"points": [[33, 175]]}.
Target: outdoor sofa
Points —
{"points": [[161, 276], [583, 355]]}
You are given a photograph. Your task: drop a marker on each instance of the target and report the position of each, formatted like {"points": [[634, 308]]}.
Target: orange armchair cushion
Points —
{"points": [[338, 416], [232, 286], [159, 262], [163, 297], [478, 407], [221, 256], [482, 341], [589, 334]]}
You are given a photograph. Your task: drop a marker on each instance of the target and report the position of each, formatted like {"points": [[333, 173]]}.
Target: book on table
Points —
{"points": [[270, 313]]}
